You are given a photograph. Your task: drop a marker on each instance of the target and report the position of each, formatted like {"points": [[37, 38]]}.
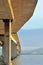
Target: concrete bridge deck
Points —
{"points": [[13, 15]]}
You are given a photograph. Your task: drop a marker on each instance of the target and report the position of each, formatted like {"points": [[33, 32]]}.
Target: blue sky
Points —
{"points": [[36, 21]]}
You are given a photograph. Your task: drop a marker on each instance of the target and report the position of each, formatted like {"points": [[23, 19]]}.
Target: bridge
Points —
{"points": [[13, 15]]}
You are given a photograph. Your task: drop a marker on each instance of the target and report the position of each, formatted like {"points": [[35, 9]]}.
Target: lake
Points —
{"points": [[28, 60]]}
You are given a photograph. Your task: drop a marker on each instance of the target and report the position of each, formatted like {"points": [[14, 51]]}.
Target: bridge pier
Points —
{"points": [[9, 51], [7, 42]]}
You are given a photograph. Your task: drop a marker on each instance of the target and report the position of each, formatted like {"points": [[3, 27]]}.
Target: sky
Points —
{"points": [[36, 21]]}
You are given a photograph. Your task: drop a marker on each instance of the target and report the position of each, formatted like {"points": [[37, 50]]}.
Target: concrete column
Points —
{"points": [[13, 50], [7, 42], [16, 42]]}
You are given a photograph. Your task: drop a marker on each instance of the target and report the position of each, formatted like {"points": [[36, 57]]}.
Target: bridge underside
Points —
{"points": [[13, 15]]}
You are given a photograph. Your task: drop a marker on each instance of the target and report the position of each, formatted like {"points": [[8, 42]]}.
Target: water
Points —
{"points": [[28, 60]]}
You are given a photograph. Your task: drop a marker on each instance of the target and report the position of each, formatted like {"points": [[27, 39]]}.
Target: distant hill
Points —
{"points": [[38, 51]]}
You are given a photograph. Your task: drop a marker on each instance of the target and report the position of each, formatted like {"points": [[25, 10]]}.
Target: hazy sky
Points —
{"points": [[36, 20]]}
